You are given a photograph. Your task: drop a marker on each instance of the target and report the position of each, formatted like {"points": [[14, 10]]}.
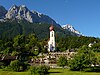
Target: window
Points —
{"points": [[52, 34]]}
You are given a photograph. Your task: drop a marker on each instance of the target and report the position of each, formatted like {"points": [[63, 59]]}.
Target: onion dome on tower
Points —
{"points": [[51, 28]]}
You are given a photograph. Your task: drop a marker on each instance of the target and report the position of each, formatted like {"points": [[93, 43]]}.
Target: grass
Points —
{"points": [[68, 72], [13, 73], [52, 72]]}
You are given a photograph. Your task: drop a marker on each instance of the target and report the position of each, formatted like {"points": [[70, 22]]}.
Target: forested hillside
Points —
{"points": [[10, 29]]}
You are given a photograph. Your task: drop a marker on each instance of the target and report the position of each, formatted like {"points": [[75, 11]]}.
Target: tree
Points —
{"points": [[32, 44], [19, 43], [62, 61], [83, 59]]}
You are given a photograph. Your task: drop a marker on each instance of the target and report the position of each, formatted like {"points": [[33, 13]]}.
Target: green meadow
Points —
{"points": [[51, 72]]}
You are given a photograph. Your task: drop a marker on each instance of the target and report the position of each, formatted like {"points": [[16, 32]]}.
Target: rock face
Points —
{"points": [[22, 12], [3, 11], [71, 28]]}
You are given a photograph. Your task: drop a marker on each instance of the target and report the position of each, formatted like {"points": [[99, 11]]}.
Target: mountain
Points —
{"points": [[19, 20], [23, 13], [3, 11], [71, 28]]}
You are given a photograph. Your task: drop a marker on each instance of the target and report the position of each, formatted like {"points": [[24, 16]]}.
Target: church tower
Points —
{"points": [[51, 42]]}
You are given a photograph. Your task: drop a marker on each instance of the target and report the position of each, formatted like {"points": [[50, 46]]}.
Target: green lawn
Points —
{"points": [[13, 73], [68, 72], [52, 72]]}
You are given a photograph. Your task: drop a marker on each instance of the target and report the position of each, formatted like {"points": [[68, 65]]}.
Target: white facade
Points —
{"points": [[51, 42]]}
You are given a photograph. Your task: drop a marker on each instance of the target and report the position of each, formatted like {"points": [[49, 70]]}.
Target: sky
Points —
{"points": [[83, 15]]}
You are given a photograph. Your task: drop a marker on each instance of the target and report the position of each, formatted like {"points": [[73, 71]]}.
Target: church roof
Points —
{"points": [[51, 28]]}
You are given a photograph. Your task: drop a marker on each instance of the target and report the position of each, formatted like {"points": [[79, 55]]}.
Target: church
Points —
{"points": [[51, 42]]}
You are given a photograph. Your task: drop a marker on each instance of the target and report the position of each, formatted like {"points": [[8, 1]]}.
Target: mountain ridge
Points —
{"points": [[22, 12], [69, 27]]}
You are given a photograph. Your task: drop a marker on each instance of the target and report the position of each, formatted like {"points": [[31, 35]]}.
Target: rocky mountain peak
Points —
{"points": [[23, 6], [12, 12], [22, 12], [17, 12], [71, 28], [39, 14], [13, 7]]}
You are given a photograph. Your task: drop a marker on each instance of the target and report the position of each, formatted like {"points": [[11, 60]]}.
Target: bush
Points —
{"points": [[40, 70], [43, 70], [93, 69], [15, 65], [2, 65], [24, 66], [7, 68]]}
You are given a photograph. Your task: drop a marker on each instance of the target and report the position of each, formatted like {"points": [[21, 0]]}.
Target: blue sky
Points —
{"points": [[84, 15]]}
